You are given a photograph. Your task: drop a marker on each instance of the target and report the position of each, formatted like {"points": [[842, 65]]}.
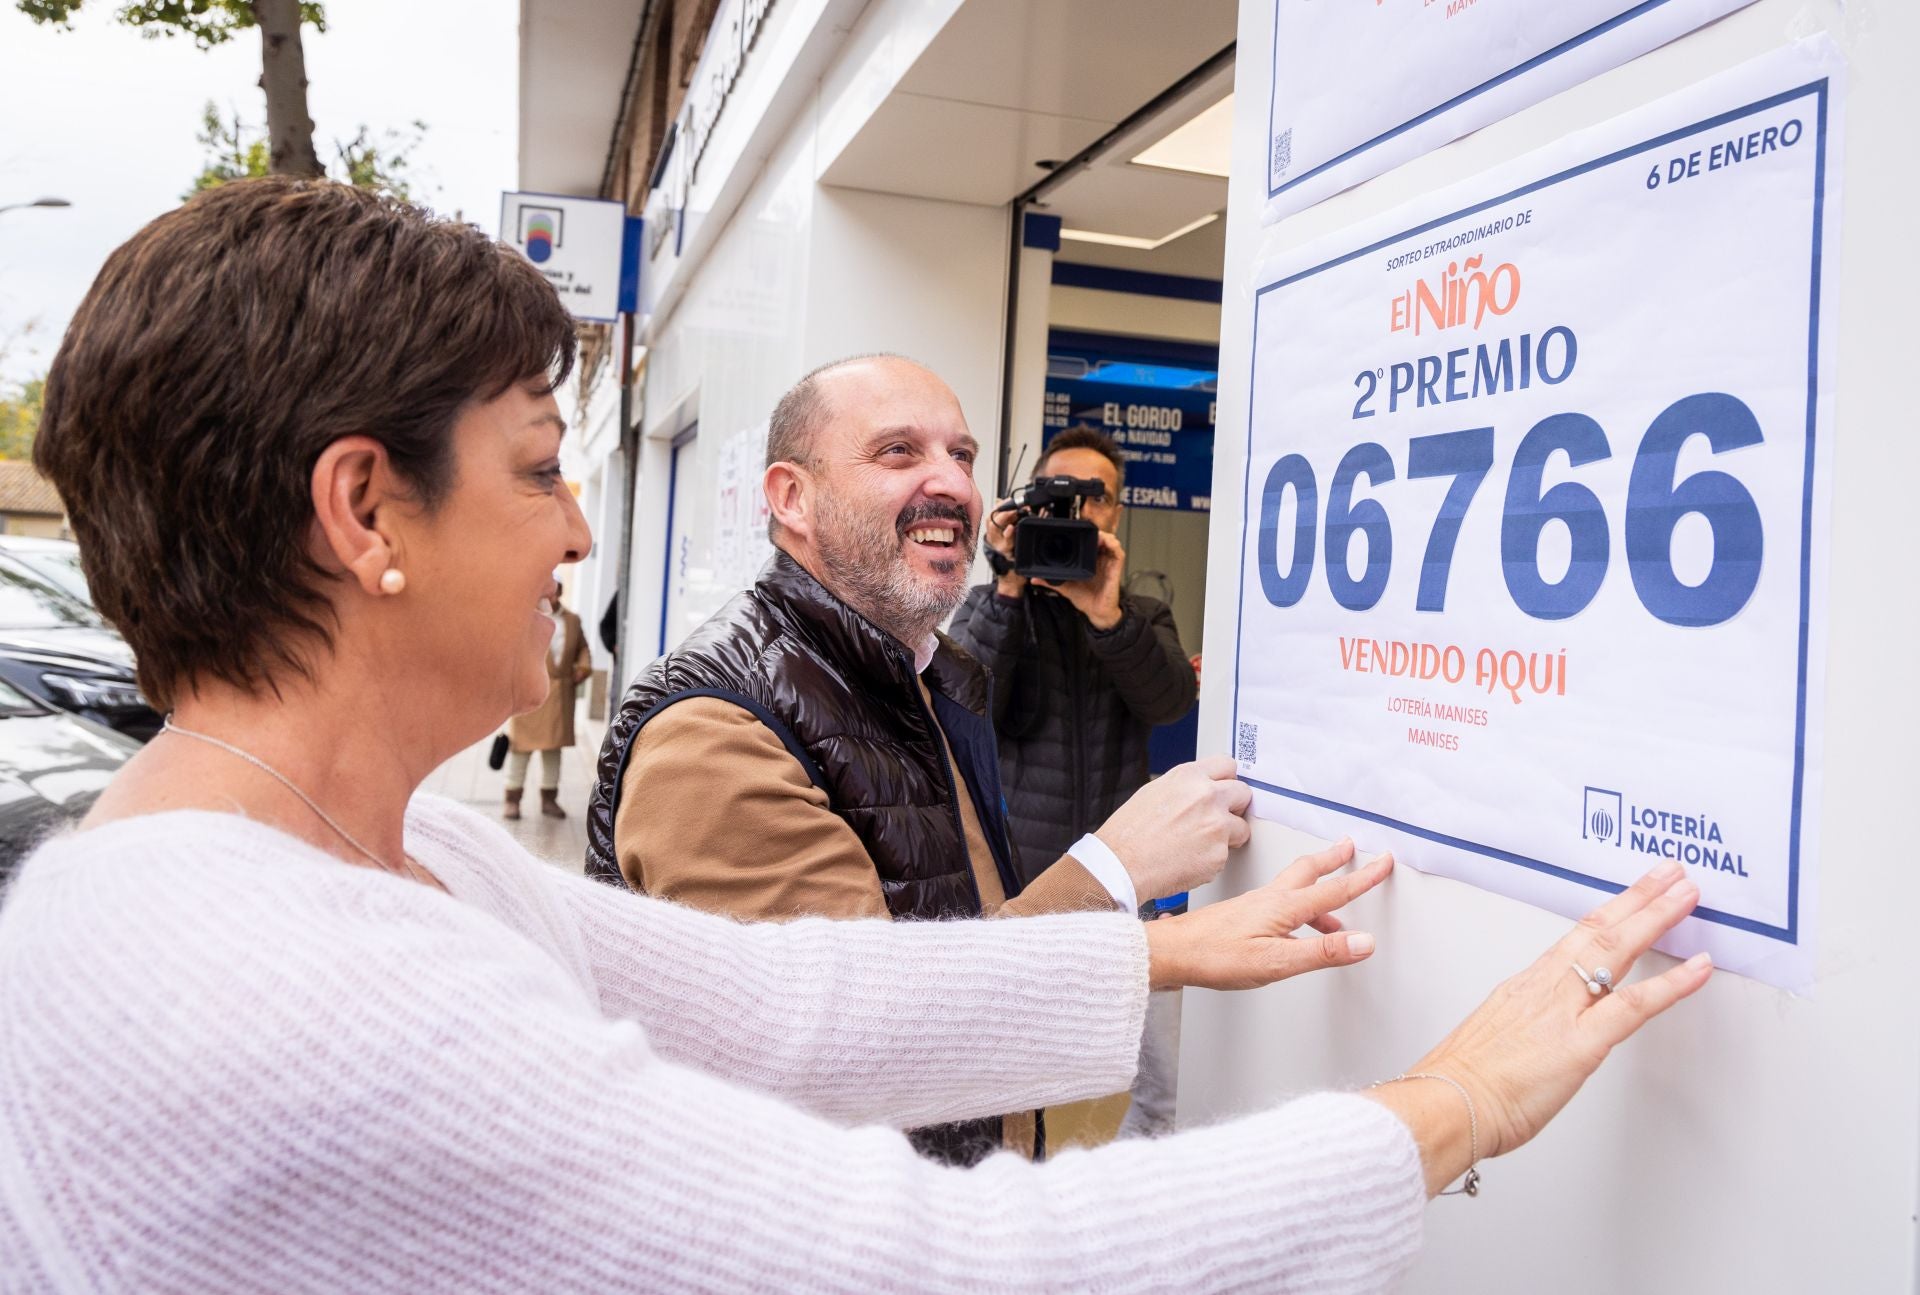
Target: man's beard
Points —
{"points": [[864, 564]]}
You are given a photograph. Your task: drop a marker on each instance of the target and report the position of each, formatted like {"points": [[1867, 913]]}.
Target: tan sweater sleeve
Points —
{"points": [[1065, 887], [715, 812]]}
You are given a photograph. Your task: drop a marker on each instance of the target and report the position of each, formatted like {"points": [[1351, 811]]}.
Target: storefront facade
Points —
{"points": [[843, 177]]}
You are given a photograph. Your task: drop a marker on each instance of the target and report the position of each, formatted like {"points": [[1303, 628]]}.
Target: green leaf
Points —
{"points": [[20, 419], [207, 22], [237, 151]]}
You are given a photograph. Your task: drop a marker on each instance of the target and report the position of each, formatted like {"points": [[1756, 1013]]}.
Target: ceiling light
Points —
{"points": [[1141, 244], [1203, 146]]}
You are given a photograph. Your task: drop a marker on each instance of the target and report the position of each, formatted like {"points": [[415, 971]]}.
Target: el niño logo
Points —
{"points": [[1462, 295]]}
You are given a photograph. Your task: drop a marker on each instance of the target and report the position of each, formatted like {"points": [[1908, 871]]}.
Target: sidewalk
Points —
{"points": [[562, 842]]}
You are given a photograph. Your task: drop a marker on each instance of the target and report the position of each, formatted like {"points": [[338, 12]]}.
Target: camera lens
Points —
{"points": [[1056, 548]]}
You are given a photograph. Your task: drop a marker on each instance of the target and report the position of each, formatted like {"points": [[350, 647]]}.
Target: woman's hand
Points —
{"points": [[1524, 1052], [1248, 941]]}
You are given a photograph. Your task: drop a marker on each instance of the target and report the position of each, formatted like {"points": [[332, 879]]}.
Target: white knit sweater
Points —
{"points": [[229, 1062]]}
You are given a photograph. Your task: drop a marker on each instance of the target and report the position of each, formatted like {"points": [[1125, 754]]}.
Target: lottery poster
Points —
{"points": [[1358, 88], [1534, 544]]}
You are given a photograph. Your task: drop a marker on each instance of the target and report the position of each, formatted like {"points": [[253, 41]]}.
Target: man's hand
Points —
{"points": [[1174, 833], [1098, 597], [1247, 941], [1000, 538]]}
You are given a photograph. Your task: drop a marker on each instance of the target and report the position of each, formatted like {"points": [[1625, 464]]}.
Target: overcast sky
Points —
{"points": [[106, 119]]}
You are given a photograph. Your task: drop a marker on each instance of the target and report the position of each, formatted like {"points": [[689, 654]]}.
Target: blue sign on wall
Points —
{"points": [[1160, 415]]}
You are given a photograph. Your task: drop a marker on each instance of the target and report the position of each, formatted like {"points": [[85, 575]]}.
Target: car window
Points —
{"points": [[63, 569], [15, 702], [28, 602]]}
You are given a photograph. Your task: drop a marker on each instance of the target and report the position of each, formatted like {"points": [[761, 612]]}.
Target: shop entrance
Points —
{"points": [[1116, 289]]}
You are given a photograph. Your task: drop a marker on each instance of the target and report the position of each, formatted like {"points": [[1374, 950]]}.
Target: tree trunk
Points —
{"points": [[283, 76]]}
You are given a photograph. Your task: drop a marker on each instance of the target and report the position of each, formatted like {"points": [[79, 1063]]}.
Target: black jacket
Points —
{"points": [[842, 695], [1073, 707]]}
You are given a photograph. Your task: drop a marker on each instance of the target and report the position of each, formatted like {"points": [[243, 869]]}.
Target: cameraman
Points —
{"points": [[1082, 671]]}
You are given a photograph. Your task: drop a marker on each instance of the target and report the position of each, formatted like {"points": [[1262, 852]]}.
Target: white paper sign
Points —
{"points": [[1536, 513], [740, 544], [1359, 88], [575, 242]]}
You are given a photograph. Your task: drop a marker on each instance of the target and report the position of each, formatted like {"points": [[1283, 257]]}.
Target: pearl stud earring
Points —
{"points": [[392, 580]]}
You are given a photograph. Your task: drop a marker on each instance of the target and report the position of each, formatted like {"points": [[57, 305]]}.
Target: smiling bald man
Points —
{"points": [[819, 748]]}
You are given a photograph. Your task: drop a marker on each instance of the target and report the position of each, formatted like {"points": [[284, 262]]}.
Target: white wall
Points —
{"points": [[1751, 1141], [1174, 544], [917, 276]]}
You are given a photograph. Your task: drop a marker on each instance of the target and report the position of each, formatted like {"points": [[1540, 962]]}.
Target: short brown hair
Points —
{"points": [[1085, 437], [797, 414], [219, 352]]}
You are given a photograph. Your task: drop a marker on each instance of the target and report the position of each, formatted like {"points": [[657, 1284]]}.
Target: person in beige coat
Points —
{"points": [[549, 728]]}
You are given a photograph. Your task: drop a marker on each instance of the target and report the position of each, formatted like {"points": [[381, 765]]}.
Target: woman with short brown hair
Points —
{"points": [[274, 1023]]}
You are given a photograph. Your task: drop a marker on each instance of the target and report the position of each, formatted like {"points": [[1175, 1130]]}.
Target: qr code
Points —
{"points": [[1246, 744], [1283, 151]]}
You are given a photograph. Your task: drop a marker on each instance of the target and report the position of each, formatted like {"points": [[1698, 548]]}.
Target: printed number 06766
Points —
{"points": [[1655, 505]]}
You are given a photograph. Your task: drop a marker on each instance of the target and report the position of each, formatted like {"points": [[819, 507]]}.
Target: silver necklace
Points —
{"points": [[168, 726]]}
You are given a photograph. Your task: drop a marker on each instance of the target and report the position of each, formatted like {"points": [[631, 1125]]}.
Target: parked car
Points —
{"points": [[57, 561], [57, 650], [52, 768]]}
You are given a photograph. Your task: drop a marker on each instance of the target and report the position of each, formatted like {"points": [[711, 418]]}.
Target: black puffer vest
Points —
{"points": [[842, 695]]}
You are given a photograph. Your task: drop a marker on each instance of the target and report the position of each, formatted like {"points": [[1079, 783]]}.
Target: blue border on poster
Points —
{"points": [[1521, 69], [1790, 932]]}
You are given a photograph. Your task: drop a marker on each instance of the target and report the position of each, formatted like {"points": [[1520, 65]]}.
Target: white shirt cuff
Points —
{"points": [[1105, 865]]}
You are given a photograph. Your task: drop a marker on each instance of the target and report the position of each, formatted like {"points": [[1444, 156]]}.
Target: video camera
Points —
{"points": [[1051, 540]]}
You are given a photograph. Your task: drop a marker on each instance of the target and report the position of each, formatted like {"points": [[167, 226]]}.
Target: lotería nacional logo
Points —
{"points": [[1696, 839], [1463, 295], [1602, 819]]}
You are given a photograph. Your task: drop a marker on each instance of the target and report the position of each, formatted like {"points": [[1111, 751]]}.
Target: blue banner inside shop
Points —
{"points": [[1157, 399]]}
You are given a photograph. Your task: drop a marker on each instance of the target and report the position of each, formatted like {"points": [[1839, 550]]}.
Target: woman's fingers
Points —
{"points": [[1629, 901], [1535, 1040], [1629, 1007], [1618, 947], [1337, 892], [1309, 868], [1342, 949], [1326, 923], [1636, 934]]}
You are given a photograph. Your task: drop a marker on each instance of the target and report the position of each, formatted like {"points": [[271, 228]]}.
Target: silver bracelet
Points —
{"points": [[1470, 1186]]}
